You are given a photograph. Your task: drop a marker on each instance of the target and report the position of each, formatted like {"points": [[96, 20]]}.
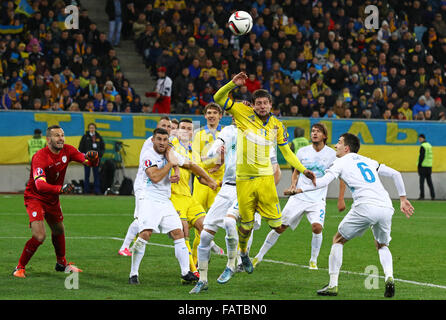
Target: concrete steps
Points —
{"points": [[131, 62]]}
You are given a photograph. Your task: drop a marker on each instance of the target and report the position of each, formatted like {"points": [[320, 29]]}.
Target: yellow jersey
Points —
{"points": [[255, 138], [201, 144], [183, 186]]}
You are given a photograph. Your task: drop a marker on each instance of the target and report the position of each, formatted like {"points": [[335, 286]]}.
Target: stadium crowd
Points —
{"points": [[45, 66], [315, 57]]}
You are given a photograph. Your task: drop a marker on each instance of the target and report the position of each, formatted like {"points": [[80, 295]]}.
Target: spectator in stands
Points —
{"points": [[114, 10], [420, 107], [162, 92]]}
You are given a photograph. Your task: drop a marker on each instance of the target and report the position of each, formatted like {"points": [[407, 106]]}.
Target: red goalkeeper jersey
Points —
{"points": [[50, 169]]}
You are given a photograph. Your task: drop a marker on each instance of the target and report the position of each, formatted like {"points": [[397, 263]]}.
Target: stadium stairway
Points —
{"points": [[131, 62]]}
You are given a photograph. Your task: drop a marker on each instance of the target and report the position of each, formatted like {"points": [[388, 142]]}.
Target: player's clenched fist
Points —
{"points": [[67, 188]]}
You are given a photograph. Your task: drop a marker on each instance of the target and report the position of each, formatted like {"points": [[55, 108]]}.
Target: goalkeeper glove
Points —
{"points": [[67, 188], [93, 157]]}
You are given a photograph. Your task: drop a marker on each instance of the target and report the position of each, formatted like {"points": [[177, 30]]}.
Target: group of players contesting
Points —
{"points": [[235, 173]]}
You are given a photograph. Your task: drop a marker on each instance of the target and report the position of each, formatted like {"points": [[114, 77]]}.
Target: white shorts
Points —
{"points": [[236, 213], [363, 216], [295, 208], [159, 216], [215, 218]]}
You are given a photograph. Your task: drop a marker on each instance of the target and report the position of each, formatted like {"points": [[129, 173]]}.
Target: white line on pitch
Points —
{"points": [[265, 260]]}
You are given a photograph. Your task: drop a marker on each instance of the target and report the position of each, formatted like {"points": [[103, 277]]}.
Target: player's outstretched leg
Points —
{"points": [[385, 257], [334, 266], [204, 252], [182, 255], [132, 232], [243, 242], [316, 243], [231, 248], [269, 242], [138, 249], [30, 248]]}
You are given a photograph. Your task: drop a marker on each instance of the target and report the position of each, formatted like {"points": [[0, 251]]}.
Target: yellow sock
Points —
{"points": [[192, 265], [195, 246], [243, 240]]}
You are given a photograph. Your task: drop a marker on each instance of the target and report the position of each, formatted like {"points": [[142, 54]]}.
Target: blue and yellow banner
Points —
{"points": [[24, 7], [8, 29], [394, 143]]}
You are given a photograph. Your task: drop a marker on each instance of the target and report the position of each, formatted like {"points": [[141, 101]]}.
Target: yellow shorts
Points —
{"points": [[188, 209], [258, 194], [204, 195]]}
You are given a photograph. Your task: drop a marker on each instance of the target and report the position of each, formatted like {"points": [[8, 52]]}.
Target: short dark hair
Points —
{"points": [[164, 118], [185, 120], [262, 93], [422, 136], [48, 130], [160, 131], [351, 141], [175, 121]]}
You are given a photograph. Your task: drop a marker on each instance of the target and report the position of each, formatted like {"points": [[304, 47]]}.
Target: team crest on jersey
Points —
{"points": [[252, 118], [64, 159]]}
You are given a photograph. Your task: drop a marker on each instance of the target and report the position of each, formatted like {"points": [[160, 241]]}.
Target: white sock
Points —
{"points": [[138, 250], [182, 255], [316, 243], [335, 263], [213, 244], [204, 253], [269, 242], [251, 238], [131, 234], [385, 256], [231, 241]]}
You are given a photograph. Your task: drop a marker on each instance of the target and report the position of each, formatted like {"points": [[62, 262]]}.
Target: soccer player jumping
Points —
{"points": [[258, 132], [46, 183]]}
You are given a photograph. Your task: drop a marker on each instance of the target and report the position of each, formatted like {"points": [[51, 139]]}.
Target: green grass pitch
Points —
{"points": [[96, 225]]}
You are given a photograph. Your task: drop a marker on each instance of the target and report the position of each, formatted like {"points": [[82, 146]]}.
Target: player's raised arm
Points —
{"points": [[405, 205], [221, 96], [91, 158], [292, 159]]}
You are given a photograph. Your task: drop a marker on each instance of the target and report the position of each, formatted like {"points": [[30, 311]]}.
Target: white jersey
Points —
{"points": [[141, 174], [144, 186], [138, 185], [360, 174], [229, 137], [317, 162]]}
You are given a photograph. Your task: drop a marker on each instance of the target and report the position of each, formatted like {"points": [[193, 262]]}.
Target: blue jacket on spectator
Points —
{"points": [[418, 107]]}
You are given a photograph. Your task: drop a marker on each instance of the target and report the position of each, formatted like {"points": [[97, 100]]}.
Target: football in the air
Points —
{"points": [[240, 23]]}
